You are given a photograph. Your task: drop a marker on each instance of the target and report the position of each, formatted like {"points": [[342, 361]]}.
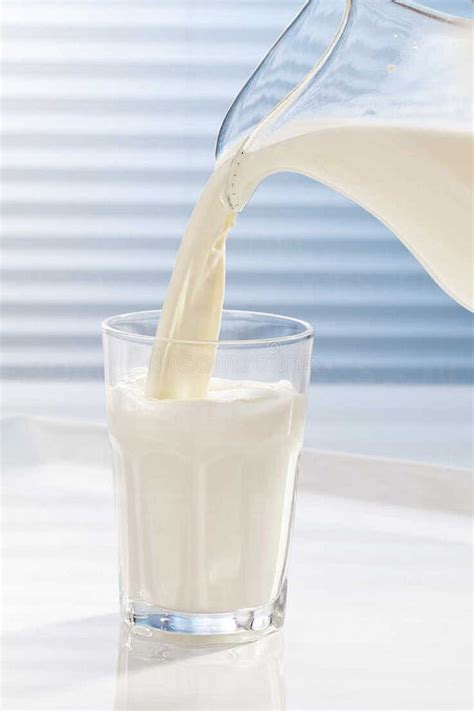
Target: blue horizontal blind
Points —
{"points": [[111, 110]]}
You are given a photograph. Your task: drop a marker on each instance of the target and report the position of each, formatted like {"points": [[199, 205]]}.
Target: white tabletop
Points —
{"points": [[379, 591]]}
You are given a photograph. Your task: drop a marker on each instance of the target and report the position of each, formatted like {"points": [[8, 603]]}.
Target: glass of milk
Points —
{"points": [[205, 488]]}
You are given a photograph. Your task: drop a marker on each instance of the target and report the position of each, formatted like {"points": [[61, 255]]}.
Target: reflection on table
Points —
{"points": [[159, 675]]}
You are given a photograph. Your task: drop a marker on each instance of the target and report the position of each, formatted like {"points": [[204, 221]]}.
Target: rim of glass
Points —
{"points": [[110, 328]]}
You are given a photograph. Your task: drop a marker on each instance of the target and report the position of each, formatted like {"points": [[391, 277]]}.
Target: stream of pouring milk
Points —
{"points": [[418, 181]]}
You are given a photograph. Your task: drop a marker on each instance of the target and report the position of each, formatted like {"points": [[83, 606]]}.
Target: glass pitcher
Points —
{"points": [[373, 98]]}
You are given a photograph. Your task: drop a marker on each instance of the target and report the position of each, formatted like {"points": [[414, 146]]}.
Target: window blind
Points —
{"points": [[110, 114]]}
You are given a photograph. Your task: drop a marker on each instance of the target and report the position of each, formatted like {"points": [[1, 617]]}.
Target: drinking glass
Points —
{"points": [[205, 489]]}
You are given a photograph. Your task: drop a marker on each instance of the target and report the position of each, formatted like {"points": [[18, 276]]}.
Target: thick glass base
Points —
{"points": [[218, 627]]}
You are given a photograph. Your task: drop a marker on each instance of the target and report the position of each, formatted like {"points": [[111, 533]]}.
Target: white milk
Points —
{"points": [[205, 492], [206, 467], [418, 181]]}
